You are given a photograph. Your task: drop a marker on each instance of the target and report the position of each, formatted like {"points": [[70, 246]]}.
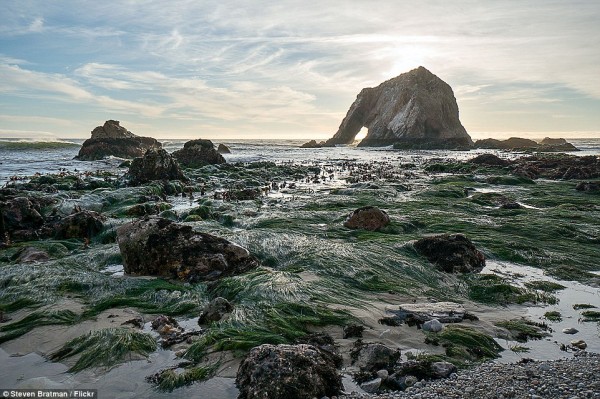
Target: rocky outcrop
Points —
{"points": [[112, 139], [490, 160], [451, 253], [521, 144], [160, 247], [197, 153], [156, 164], [367, 218], [558, 167], [287, 371], [223, 149], [413, 110]]}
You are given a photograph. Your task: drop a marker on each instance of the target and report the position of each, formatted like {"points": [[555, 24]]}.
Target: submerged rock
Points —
{"points": [[32, 255], [287, 371], [112, 139], [196, 153], [215, 310], [160, 247], [451, 253], [156, 164], [367, 218], [223, 149], [413, 110]]}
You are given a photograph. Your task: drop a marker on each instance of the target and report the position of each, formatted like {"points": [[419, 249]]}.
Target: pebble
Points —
{"points": [[563, 378], [570, 330]]}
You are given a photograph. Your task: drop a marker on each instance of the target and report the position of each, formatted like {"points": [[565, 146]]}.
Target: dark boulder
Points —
{"points": [[489, 159], [556, 145], [367, 218], [314, 144], [287, 371], [215, 310], [20, 219], [84, 224], [156, 164], [160, 247], [112, 139], [197, 153], [451, 253], [223, 149], [588, 186]]}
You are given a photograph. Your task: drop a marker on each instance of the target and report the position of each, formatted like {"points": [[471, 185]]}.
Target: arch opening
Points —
{"points": [[361, 134]]}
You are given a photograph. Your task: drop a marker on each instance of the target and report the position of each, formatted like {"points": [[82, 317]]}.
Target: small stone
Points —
{"points": [[579, 344], [433, 325], [410, 380], [570, 330], [383, 374], [371, 386]]}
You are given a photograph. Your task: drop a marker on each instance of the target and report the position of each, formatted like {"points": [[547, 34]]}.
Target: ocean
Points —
{"points": [[26, 157]]}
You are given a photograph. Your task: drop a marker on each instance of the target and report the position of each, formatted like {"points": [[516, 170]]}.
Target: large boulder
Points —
{"points": [[156, 164], [413, 110], [160, 247], [287, 371], [367, 218], [196, 153], [452, 253], [83, 224], [223, 149], [112, 139]]}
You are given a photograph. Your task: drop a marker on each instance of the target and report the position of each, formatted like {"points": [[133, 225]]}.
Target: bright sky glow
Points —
{"points": [[291, 69]]}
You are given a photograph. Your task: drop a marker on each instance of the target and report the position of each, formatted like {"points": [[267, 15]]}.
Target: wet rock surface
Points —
{"points": [[490, 159], [371, 357], [451, 253], [197, 153], [558, 167], [367, 218], [156, 164], [287, 371], [215, 310], [83, 225], [160, 247], [420, 313], [112, 139]]}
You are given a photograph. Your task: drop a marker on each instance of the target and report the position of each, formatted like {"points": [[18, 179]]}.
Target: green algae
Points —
{"points": [[465, 344], [105, 348], [522, 330]]}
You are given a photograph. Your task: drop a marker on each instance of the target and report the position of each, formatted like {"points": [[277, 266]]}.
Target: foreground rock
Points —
{"points": [[197, 153], [367, 218], [372, 357], [451, 253], [156, 164], [112, 139], [287, 371], [413, 110], [160, 247]]}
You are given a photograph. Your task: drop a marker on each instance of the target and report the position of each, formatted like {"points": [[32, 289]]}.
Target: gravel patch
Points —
{"points": [[573, 378]]}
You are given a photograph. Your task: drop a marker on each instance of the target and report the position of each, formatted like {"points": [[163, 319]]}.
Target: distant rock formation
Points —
{"points": [[223, 149], [520, 144], [413, 110], [156, 164], [196, 153], [112, 139]]}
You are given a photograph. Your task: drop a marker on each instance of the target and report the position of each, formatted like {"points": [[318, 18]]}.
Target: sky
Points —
{"points": [[291, 69]]}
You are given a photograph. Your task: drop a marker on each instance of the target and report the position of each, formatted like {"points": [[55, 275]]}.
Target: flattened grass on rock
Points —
{"points": [[464, 343], [522, 330], [105, 348]]}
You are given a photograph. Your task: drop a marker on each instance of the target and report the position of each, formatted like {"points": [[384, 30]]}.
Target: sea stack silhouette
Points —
{"points": [[413, 110]]}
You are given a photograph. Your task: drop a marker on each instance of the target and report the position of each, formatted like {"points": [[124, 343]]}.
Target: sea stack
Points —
{"points": [[413, 110], [112, 139]]}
